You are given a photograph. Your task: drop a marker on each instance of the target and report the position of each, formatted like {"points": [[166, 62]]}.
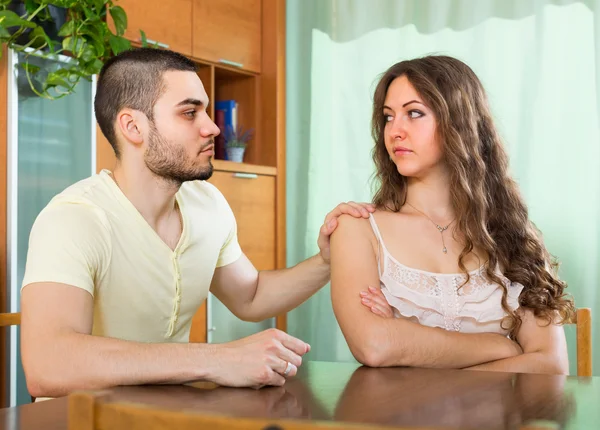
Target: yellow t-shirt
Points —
{"points": [[92, 237]]}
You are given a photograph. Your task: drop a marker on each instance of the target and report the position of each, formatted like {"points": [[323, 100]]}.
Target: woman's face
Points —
{"points": [[410, 130]]}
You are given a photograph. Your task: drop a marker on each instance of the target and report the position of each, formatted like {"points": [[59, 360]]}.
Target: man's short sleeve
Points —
{"points": [[230, 251], [69, 243]]}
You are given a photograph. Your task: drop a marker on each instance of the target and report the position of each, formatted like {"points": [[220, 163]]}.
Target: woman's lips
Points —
{"points": [[400, 150]]}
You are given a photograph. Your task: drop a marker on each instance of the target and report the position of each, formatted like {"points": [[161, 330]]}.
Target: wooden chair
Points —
{"points": [[10, 319], [7, 320], [583, 321]]}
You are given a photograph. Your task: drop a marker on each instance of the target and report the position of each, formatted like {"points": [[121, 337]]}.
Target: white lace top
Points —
{"points": [[438, 300]]}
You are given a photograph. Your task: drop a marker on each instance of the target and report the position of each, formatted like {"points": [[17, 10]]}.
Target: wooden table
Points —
{"points": [[346, 394]]}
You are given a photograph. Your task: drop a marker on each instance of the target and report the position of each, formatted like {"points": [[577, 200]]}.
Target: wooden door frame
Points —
{"points": [[3, 219], [273, 116]]}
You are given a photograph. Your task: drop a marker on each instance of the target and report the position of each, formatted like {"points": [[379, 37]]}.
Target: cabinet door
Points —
{"points": [[252, 199], [167, 22], [228, 31]]}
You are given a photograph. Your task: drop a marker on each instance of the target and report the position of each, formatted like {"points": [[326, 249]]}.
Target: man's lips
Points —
{"points": [[210, 147]]}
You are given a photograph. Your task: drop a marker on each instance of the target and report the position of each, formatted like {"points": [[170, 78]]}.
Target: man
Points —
{"points": [[119, 263]]}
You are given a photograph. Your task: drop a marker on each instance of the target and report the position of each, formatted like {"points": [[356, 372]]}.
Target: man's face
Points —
{"points": [[181, 138]]}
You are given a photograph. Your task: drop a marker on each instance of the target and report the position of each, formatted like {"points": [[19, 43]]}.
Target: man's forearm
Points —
{"points": [[279, 291], [400, 342], [533, 362], [74, 361]]}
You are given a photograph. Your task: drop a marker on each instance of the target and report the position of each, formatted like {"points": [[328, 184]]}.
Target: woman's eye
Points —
{"points": [[387, 118], [415, 114], [190, 114]]}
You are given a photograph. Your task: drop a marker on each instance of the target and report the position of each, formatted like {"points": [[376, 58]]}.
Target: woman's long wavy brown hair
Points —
{"points": [[490, 212]]}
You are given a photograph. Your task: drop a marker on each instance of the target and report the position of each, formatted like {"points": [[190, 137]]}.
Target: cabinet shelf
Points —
{"points": [[230, 166]]}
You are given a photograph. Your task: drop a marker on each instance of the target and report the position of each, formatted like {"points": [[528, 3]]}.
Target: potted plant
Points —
{"points": [[74, 28], [236, 140]]}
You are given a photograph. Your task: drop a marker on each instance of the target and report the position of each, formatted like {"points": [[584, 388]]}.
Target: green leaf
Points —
{"points": [[62, 72], [98, 66], [30, 68], [95, 67], [90, 68], [10, 19], [144, 39], [120, 18], [89, 14], [89, 53], [100, 7], [61, 3], [67, 43], [67, 29], [55, 79], [74, 76], [30, 6], [81, 47], [91, 33], [39, 37], [73, 44], [118, 44]]}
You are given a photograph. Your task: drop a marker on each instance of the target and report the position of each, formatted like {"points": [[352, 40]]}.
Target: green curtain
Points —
{"points": [[540, 63]]}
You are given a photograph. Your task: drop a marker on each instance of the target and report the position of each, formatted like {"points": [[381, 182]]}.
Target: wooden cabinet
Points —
{"points": [[252, 200], [251, 194], [167, 22], [228, 32]]}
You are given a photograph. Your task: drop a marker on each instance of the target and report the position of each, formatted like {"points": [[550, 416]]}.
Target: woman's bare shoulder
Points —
{"points": [[386, 219], [352, 224], [350, 228]]}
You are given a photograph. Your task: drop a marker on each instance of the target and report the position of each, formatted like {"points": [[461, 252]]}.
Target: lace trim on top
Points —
{"points": [[441, 300]]}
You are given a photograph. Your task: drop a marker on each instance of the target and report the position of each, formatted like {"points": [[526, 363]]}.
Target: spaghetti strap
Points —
{"points": [[375, 228], [380, 248]]}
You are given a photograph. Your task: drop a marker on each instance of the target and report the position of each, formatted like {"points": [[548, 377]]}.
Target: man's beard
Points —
{"points": [[170, 162]]}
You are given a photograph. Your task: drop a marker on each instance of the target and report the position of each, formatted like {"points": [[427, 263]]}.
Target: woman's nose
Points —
{"points": [[398, 128]]}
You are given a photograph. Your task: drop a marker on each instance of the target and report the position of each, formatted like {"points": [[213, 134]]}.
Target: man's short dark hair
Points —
{"points": [[133, 79]]}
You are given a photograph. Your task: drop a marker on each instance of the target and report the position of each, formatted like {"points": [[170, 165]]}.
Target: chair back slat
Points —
{"points": [[584, 341], [10, 319]]}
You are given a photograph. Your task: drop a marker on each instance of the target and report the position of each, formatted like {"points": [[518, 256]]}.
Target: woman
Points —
{"points": [[450, 251]]}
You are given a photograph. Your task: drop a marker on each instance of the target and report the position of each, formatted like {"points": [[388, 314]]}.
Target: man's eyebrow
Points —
{"points": [[190, 101]]}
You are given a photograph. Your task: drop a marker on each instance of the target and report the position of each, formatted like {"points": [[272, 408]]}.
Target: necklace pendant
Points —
{"points": [[445, 251]]}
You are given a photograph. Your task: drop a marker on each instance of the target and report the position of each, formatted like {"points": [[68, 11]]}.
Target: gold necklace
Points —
{"points": [[440, 228]]}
